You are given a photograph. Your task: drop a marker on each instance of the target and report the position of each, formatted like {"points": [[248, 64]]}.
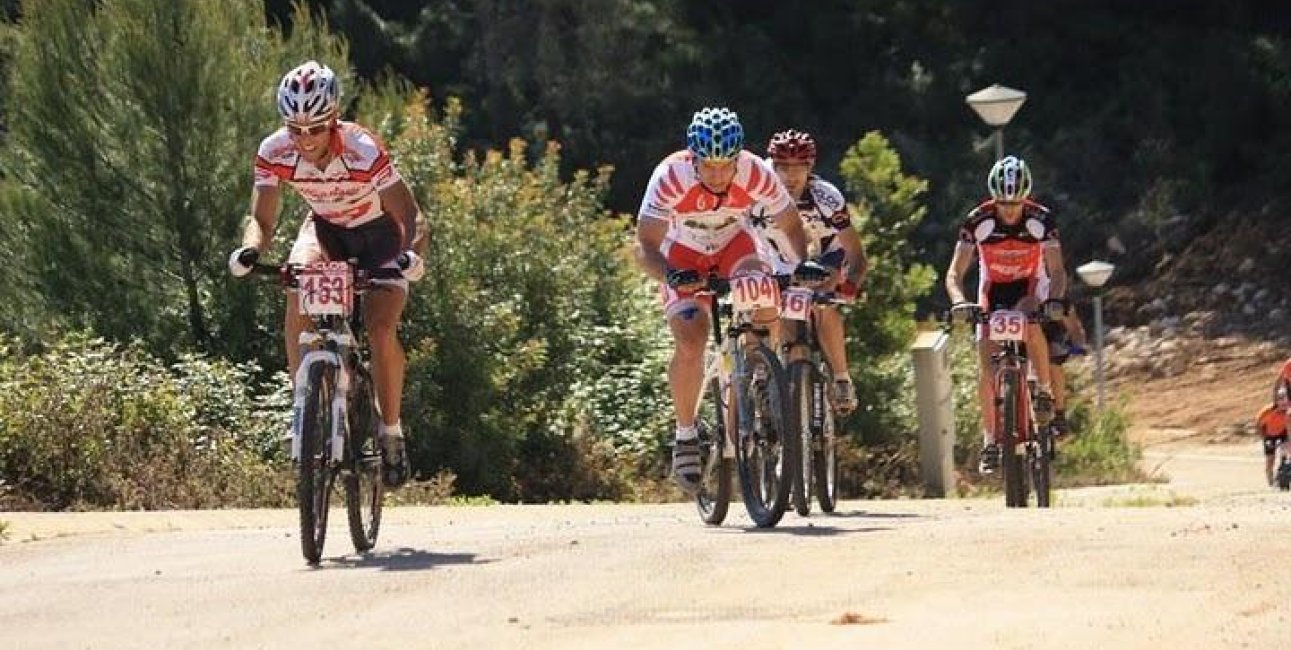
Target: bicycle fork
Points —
{"points": [[310, 356]]}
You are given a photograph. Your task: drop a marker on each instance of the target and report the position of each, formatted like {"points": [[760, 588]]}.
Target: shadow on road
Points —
{"points": [[875, 515], [812, 530], [402, 559]]}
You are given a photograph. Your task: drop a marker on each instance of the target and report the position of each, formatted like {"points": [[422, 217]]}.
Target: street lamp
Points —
{"points": [[996, 105], [1095, 274]]}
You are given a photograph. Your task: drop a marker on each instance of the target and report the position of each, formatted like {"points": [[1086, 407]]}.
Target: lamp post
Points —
{"points": [[996, 105], [1095, 274]]}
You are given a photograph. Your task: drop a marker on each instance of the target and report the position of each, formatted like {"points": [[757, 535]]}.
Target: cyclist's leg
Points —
{"points": [[1273, 446], [382, 312], [689, 324], [304, 250], [830, 331], [1038, 355]]}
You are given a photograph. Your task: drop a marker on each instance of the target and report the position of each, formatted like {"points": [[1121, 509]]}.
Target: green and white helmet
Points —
{"points": [[1009, 180]]}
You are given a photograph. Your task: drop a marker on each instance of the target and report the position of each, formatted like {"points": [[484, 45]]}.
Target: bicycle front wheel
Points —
{"points": [[1008, 428], [315, 474], [1039, 456], [364, 491], [766, 451], [802, 381], [824, 446], [714, 497]]}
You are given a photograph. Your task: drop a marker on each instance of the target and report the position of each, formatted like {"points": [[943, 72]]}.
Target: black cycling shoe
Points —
{"points": [[988, 461], [1059, 425], [1042, 406], [395, 468]]}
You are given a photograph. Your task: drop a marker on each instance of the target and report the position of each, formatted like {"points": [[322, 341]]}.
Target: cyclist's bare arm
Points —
{"points": [[650, 236], [258, 230], [965, 254], [857, 263], [790, 223], [1057, 270], [398, 202]]}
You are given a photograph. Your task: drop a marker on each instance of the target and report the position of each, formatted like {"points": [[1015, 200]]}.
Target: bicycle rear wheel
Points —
{"points": [[802, 382], [364, 491], [714, 497], [315, 474], [766, 452], [1008, 427], [825, 446]]}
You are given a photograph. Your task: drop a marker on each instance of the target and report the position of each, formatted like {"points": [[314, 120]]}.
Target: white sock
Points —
{"points": [[395, 429], [687, 433]]}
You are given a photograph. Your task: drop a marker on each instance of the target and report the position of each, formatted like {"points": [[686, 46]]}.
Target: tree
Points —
{"points": [[132, 126]]}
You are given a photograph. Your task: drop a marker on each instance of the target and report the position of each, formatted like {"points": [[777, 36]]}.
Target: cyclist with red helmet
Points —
{"points": [[359, 208], [693, 221], [1020, 268], [831, 239]]}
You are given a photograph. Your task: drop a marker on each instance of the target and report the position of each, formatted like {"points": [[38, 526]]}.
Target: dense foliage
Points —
{"points": [[536, 349]]}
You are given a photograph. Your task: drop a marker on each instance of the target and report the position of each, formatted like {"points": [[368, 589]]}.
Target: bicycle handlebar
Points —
{"points": [[286, 274]]}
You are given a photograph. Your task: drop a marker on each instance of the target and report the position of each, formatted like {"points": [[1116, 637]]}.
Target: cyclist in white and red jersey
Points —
{"points": [[831, 239], [693, 221], [1017, 244], [359, 208]]}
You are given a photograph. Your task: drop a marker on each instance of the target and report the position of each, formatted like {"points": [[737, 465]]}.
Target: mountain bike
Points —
{"points": [[810, 378], [1027, 449], [334, 414], [742, 415]]}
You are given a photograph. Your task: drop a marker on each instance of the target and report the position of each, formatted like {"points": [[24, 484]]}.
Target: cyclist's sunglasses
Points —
{"points": [[312, 129]]}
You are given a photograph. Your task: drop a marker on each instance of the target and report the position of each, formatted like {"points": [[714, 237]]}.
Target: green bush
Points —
{"points": [[88, 424]]}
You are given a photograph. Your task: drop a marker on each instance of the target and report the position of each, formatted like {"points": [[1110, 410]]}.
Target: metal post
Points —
{"points": [[1098, 347], [934, 399], [999, 142]]}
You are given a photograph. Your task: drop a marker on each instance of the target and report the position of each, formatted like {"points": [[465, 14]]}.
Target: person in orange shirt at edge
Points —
{"points": [[1272, 425]]}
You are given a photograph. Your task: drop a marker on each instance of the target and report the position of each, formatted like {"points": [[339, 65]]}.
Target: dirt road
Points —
{"points": [[1110, 567]]}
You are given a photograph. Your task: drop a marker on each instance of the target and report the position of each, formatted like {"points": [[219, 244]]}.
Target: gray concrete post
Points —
{"points": [[934, 399]]}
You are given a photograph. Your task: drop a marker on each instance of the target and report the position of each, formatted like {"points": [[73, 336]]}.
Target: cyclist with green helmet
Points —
{"points": [[1020, 268], [693, 221]]}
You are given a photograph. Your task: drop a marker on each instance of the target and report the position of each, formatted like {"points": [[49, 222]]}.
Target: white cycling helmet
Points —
{"points": [[308, 94], [1009, 180]]}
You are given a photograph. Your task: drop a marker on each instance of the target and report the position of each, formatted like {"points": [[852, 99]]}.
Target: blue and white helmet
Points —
{"points": [[1009, 180], [715, 134], [308, 94]]}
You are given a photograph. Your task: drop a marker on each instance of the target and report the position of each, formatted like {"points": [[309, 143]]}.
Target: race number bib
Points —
{"points": [[754, 291], [797, 304], [1006, 325], [325, 289]]}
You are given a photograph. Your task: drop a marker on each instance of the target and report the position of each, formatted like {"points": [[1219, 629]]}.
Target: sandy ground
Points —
{"points": [[1192, 563]]}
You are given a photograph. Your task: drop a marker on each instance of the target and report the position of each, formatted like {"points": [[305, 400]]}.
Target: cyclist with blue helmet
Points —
{"points": [[693, 221]]}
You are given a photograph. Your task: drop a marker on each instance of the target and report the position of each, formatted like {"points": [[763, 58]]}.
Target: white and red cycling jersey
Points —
{"points": [[346, 192], [700, 219]]}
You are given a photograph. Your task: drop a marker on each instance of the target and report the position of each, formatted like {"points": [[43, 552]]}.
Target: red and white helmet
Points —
{"points": [[308, 94]]}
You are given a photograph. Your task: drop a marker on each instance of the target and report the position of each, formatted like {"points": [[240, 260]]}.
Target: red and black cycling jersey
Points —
{"points": [[1009, 253]]}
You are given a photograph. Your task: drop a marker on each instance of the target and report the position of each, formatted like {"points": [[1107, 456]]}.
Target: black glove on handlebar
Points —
{"points": [[810, 271], [683, 277]]}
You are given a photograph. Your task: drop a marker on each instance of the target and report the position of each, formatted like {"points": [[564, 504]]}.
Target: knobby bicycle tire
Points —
{"points": [[825, 451], [1009, 424], [766, 449], [802, 378], [714, 497], [364, 490], [315, 476]]}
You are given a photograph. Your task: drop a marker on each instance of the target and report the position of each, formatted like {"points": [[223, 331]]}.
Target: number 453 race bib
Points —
{"points": [[325, 289]]}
